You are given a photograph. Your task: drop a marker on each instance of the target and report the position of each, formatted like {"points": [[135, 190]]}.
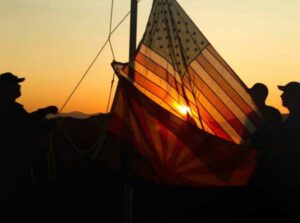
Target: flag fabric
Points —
{"points": [[177, 68], [181, 106], [176, 151]]}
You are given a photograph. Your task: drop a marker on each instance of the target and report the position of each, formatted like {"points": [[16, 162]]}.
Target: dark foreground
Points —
{"points": [[87, 194], [82, 191]]}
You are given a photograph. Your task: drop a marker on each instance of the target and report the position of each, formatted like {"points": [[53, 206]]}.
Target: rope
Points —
{"points": [[110, 25], [84, 75], [68, 137], [108, 40], [110, 92], [113, 54], [94, 60], [101, 135], [98, 145]]}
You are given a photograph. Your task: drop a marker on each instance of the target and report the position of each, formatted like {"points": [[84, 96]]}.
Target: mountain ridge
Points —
{"points": [[76, 115], [82, 115]]}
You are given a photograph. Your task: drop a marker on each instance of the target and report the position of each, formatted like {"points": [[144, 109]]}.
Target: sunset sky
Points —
{"points": [[52, 43]]}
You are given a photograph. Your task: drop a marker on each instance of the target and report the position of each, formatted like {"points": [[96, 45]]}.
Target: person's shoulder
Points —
{"points": [[17, 106], [17, 109], [291, 126], [294, 119], [273, 110]]}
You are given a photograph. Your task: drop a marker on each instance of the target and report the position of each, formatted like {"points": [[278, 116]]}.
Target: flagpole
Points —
{"points": [[132, 39], [128, 189]]}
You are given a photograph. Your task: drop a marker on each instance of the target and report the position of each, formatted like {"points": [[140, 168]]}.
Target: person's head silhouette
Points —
{"points": [[291, 95], [259, 93], [9, 86]]}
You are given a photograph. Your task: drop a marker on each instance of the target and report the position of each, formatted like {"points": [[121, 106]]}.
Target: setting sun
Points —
{"points": [[184, 110]]}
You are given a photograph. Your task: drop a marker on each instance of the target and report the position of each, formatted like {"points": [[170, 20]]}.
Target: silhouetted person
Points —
{"points": [[266, 138], [18, 128], [288, 173]]}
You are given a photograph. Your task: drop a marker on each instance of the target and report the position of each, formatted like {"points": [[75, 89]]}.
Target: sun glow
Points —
{"points": [[184, 110]]}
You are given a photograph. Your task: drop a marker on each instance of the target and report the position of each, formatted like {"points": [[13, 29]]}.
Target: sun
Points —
{"points": [[184, 110]]}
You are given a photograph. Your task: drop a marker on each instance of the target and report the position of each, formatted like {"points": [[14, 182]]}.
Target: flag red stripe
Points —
{"points": [[187, 83], [212, 123]]}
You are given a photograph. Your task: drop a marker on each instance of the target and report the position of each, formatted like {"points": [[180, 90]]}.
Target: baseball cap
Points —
{"points": [[9, 78], [292, 87]]}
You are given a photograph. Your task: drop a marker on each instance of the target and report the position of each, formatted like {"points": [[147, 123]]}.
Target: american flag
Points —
{"points": [[182, 108], [177, 68]]}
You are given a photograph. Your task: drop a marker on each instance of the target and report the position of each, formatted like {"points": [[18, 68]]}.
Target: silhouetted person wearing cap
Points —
{"points": [[272, 118], [18, 128], [266, 138], [288, 173]]}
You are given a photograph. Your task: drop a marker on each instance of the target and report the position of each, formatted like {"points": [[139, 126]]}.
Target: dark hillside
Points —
{"points": [[67, 186], [73, 139]]}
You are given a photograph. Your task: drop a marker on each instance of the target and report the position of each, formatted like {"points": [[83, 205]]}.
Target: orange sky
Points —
{"points": [[52, 42]]}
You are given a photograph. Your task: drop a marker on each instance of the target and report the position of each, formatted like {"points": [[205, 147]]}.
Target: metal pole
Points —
{"points": [[128, 189], [132, 40]]}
